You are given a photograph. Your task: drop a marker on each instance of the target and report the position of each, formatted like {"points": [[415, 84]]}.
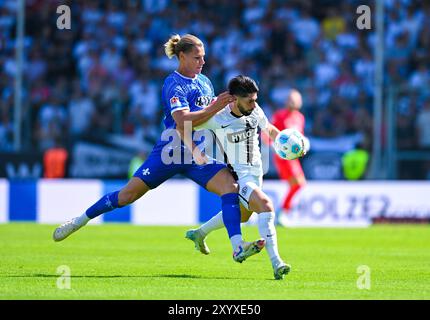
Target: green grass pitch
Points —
{"points": [[114, 261]]}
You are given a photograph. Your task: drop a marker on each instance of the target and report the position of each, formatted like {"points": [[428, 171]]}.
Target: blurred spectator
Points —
{"points": [[105, 74], [333, 25], [51, 124], [81, 110], [354, 163], [55, 162], [6, 127], [136, 162], [420, 78], [423, 126]]}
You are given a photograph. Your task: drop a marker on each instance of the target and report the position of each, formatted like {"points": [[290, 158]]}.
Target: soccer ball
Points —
{"points": [[290, 144]]}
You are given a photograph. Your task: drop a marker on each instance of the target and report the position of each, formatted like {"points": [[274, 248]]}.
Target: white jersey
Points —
{"points": [[239, 138]]}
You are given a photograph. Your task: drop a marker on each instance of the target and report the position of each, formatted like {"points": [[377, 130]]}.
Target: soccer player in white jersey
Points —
{"points": [[187, 97], [236, 131]]}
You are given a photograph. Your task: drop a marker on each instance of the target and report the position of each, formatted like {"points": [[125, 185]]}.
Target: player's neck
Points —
{"points": [[235, 110], [185, 73]]}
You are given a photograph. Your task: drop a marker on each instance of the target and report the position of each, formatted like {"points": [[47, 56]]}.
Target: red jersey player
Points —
{"points": [[290, 170]]}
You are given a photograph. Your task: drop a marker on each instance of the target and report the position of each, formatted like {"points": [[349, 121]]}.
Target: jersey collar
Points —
{"points": [[182, 76], [233, 114]]}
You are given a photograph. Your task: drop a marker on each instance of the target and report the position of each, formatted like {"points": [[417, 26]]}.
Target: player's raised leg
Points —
{"points": [[151, 174], [198, 236], [134, 189], [261, 203], [223, 184]]}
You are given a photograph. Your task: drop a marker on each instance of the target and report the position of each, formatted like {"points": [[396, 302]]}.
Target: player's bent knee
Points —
{"points": [[266, 205], [299, 181], [232, 187], [224, 189]]}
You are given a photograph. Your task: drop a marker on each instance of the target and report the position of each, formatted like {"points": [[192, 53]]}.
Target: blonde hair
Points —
{"points": [[177, 44]]}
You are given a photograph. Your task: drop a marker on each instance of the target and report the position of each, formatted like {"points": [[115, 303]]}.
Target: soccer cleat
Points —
{"points": [[247, 249], [66, 229], [199, 240], [280, 270]]}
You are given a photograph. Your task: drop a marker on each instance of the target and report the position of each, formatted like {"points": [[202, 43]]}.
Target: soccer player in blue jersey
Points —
{"points": [[188, 100]]}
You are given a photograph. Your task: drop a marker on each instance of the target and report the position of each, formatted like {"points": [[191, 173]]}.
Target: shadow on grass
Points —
{"points": [[174, 276]]}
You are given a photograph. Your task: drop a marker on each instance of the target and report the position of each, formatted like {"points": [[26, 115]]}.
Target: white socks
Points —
{"points": [[266, 227], [236, 240], [216, 223], [82, 220], [213, 224]]}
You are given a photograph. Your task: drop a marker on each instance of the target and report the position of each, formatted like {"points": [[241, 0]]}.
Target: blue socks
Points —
{"points": [[230, 210], [231, 213], [107, 203]]}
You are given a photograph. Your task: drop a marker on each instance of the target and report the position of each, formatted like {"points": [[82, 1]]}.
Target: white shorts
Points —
{"points": [[247, 184]]}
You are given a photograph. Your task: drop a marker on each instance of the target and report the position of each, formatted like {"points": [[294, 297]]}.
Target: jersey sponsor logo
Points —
{"points": [[203, 101], [241, 135], [174, 102]]}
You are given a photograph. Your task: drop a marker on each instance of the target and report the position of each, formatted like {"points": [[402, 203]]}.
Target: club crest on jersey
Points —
{"points": [[203, 101], [174, 102], [252, 122]]}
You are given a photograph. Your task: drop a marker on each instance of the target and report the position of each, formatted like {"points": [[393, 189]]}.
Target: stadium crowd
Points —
{"points": [[105, 74]]}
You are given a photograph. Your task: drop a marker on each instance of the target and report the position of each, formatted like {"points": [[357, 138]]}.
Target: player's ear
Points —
{"points": [[181, 56]]}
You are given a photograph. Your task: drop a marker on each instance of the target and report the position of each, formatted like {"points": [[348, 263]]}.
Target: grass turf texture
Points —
{"points": [[136, 262]]}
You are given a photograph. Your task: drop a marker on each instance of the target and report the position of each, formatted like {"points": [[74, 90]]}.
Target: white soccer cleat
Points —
{"points": [[66, 229], [198, 239], [280, 270], [248, 249]]}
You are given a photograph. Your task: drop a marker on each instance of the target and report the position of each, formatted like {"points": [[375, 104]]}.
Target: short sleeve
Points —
{"points": [[261, 118], [208, 84], [212, 124], [177, 99]]}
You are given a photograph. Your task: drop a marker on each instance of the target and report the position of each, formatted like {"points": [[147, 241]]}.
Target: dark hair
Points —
{"points": [[242, 86]]}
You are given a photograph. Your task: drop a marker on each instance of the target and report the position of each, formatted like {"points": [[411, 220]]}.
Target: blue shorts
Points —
{"points": [[154, 171]]}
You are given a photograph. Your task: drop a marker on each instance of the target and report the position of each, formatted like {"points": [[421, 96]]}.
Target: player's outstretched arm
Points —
{"points": [[272, 131], [186, 121], [199, 117]]}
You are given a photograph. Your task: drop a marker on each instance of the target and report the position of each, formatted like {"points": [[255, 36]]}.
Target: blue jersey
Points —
{"points": [[179, 93], [184, 93]]}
